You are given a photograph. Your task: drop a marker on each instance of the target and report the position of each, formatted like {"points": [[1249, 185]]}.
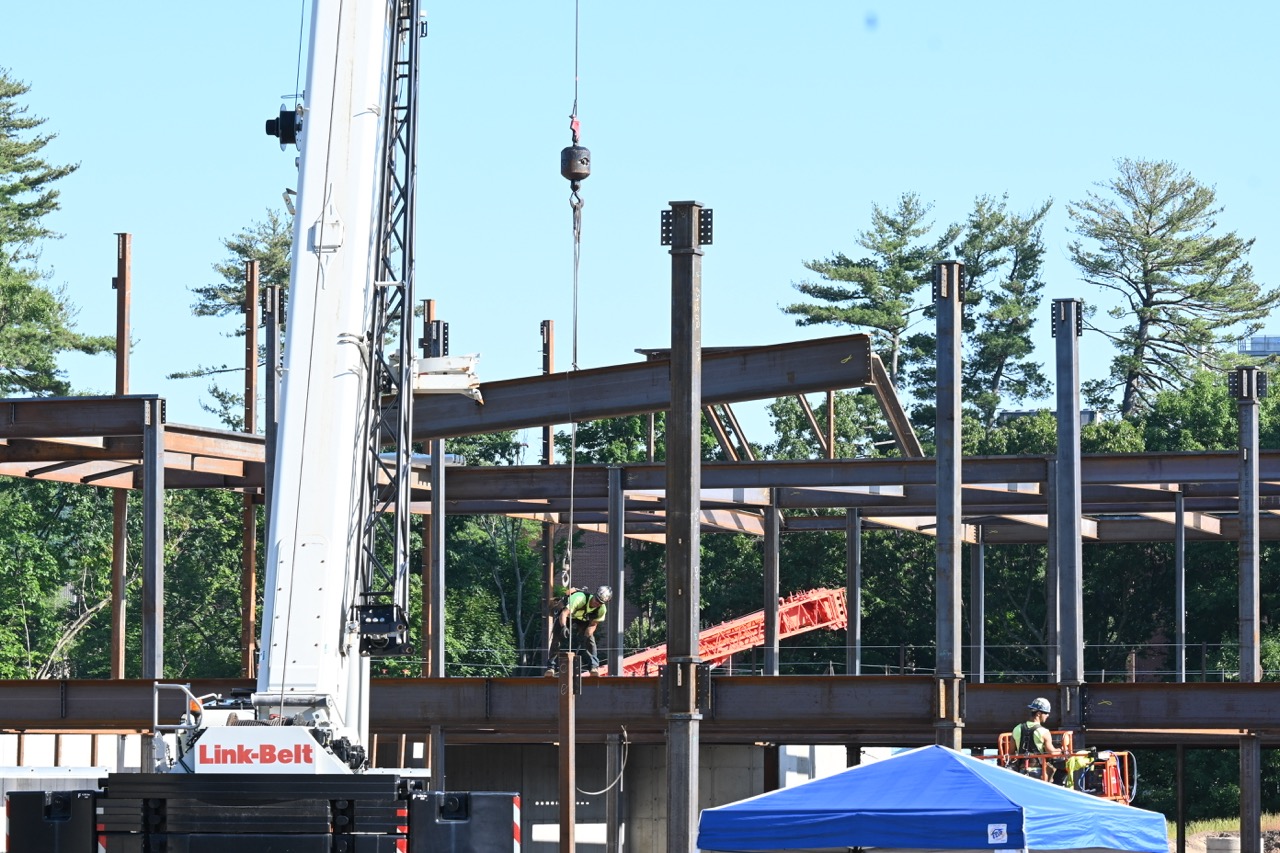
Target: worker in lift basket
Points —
{"points": [[586, 611], [1033, 738]]}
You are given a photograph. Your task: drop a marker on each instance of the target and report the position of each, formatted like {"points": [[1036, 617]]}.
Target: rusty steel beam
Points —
{"points": [[744, 709], [53, 450], [728, 376], [217, 443], [73, 417], [891, 405], [1005, 529]]}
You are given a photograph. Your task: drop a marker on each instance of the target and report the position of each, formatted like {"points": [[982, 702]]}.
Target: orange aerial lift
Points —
{"points": [[1103, 773], [797, 614]]}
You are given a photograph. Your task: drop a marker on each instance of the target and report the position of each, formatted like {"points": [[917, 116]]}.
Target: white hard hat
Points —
{"points": [[1040, 704], [604, 594]]}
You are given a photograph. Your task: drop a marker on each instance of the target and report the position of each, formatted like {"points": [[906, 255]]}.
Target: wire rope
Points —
{"points": [[622, 768], [575, 202]]}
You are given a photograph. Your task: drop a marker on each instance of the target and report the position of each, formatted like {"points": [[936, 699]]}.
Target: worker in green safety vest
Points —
{"points": [[584, 611], [1032, 738]]}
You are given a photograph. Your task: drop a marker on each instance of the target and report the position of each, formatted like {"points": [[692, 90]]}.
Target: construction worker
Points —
{"points": [[585, 611], [1032, 738]]}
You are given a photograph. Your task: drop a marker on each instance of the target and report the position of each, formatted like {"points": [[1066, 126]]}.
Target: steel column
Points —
{"points": [[770, 556], [853, 590], [978, 609], [1250, 794], [435, 640], [684, 483], [615, 797], [1247, 395], [249, 522], [948, 295], [1249, 387], [153, 539], [1180, 588], [616, 620], [271, 323], [568, 775], [548, 329], [1067, 326], [123, 284], [1180, 797], [1052, 584]]}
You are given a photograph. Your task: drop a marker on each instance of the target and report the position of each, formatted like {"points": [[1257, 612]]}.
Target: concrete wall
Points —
{"points": [[726, 774]]}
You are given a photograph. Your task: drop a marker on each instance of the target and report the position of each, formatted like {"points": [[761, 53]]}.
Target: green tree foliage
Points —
{"points": [[861, 428], [36, 326], [203, 560], [498, 560], [477, 641], [36, 322], [1151, 239], [55, 563], [269, 243], [27, 192], [202, 566], [1212, 780], [613, 441], [1002, 254], [1200, 417], [879, 292]]}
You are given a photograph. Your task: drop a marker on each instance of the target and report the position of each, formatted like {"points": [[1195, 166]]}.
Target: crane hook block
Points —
{"points": [[575, 165]]}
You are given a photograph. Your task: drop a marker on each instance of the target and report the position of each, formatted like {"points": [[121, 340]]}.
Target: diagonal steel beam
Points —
{"points": [[754, 373]]}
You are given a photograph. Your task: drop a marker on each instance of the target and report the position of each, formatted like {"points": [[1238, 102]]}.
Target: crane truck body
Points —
{"points": [[285, 769]]}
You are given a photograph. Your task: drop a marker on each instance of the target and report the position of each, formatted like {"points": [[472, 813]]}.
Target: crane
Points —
{"points": [[285, 768]]}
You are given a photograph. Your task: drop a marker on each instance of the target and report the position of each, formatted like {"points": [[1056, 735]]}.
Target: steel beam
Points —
{"points": [[802, 709], [73, 417], [753, 373]]}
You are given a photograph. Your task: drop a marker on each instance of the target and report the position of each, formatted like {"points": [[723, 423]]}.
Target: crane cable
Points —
{"points": [[575, 166]]}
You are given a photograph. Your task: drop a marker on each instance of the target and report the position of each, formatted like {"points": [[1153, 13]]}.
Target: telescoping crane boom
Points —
{"points": [[285, 769]]}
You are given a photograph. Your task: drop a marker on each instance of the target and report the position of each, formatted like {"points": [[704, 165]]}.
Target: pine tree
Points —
{"points": [[269, 243], [880, 292], [1002, 254], [1151, 239], [36, 322], [27, 194]]}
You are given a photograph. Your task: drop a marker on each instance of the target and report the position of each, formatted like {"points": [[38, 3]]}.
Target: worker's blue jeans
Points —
{"points": [[586, 642]]}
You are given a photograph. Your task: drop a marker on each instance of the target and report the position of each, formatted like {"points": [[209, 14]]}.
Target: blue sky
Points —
{"points": [[788, 119]]}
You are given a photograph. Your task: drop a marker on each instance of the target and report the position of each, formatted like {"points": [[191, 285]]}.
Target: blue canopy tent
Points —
{"points": [[931, 798]]}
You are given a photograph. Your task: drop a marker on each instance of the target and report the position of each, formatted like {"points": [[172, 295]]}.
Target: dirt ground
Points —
{"points": [[1196, 843]]}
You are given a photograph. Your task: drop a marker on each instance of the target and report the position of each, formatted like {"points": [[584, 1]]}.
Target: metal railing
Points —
{"points": [[1008, 664]]}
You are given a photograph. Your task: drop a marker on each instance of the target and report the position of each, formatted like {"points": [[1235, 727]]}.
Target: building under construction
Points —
{"points": [[646, 753]]}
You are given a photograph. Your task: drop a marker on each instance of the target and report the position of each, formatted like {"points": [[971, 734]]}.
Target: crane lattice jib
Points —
{"points": [[384, 573], [797, 614]]}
